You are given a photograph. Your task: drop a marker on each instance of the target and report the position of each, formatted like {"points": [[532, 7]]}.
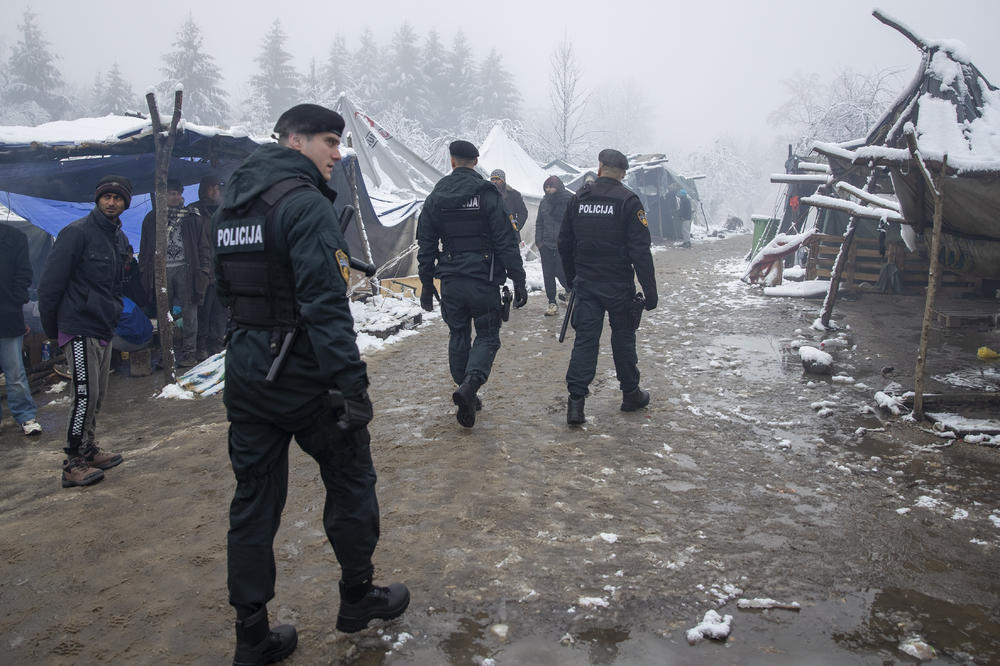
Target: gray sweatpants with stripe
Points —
{"points": [[89, 366]]}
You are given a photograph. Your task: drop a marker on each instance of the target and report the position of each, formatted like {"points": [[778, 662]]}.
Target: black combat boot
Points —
{"points": [[257, 643], [364, 602], [468, 402], [574, 410], [634, 400]]}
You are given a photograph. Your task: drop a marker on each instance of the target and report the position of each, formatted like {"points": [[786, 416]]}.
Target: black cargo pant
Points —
{"points": [[593, 299], [466, 302], [259, 456]]}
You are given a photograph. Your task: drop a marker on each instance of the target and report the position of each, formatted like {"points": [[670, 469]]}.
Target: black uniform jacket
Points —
{"points": [[453, 191], [630, 240], [325, 354]]}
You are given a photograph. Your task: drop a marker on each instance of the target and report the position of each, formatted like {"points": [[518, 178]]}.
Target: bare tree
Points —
{"points": [[569, 101], [625, 116], [842, 110]]}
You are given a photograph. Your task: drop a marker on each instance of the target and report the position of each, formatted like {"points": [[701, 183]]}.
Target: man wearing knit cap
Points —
{"points": [[466, 240], [513, 202], [79, 302], [604, 243], [293, 369]]}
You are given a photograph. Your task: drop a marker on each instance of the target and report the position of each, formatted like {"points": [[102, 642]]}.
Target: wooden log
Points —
{"points": [[933, 280]]}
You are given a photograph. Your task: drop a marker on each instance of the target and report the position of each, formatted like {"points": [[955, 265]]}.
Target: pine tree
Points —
{"points": [[276, 84], [405, 84], [33, 81], [460, 73], [204, 100], [337, 69], [113, 95], [432, 62], [496, 95], [315, 87], [366, 72]]}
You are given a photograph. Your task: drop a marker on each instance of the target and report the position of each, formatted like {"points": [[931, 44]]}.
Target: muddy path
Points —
{"points": [[525, 541]]}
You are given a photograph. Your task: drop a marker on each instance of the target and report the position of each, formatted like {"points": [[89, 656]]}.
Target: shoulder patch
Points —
{"points": [[345, 265], [642, 217], [513, 221]]}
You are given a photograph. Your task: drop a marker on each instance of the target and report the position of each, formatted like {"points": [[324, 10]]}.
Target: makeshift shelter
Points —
{"points": [[390, 183], [949, 109], [48, 172]]}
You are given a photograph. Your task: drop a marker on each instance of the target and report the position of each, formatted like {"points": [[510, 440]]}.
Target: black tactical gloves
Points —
{"points": [[651, 302], [355, 413], [427, 297], [520, 294]]}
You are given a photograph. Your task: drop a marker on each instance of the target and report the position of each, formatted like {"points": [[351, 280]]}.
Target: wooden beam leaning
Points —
{"points": [[164, 146]]}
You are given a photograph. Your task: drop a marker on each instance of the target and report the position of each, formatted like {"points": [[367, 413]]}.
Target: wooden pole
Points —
{"points": [[841, 262], [359, 220], [164, 146], [933, 280]]}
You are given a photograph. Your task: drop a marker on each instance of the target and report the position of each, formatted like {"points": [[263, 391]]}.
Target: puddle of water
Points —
{"points": [[755, 357]]}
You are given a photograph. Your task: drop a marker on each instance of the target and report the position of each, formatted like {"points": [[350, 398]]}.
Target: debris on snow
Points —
{"points": [[767, 603], [816, 361], [917, 647], [712, 626], [890, 403]]}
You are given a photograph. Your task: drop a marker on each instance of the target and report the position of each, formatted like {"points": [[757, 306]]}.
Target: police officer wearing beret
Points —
{"points": [[604, 244], [467, 241], [293, 369]]}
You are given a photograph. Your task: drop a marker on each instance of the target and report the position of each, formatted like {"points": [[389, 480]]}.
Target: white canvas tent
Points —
{"points": [[397, 181], [500, 151]]}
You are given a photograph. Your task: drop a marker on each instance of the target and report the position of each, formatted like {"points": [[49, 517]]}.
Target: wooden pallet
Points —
{"points": [[864, 263]]}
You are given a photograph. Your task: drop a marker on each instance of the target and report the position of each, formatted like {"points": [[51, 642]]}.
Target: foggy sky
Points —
{"points": [[708, 68]]}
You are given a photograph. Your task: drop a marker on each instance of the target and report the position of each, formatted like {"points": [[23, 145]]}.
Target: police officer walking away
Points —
{"points": [[467, 241], [604, 244], [293, 369]]}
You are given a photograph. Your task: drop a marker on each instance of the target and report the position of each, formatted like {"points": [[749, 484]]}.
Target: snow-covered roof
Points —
{"points": [[524, 174]]}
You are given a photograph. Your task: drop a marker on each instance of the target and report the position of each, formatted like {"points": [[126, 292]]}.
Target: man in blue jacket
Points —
{"points": [[80, 300]]}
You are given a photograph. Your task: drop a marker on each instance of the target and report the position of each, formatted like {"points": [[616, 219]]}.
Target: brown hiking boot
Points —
{"points": [[97, 457], [76, 472]]}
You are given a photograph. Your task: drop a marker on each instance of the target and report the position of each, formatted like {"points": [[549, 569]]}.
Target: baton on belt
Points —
{"points": [[570, 302]]}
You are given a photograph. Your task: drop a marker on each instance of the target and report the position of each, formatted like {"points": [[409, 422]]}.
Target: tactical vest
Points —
{"points": [[599, 228], [256, 272], [466, 228]]}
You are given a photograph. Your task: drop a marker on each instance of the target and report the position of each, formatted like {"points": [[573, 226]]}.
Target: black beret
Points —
{"points": [[309, 119], [613, 158], [463, 149], [119, 185]]}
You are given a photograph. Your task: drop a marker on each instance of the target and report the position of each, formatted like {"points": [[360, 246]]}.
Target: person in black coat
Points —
{"points": [[80, 300], [547, 225], [15, 278], [604, 243]]}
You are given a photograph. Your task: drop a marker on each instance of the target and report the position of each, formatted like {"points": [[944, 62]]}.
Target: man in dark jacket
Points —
{"points": [[189, 264], [15, 278], [466, 240], [551, 211], [282, 268], [80, 300], [212, 314], [604, 243], [512, 200]]}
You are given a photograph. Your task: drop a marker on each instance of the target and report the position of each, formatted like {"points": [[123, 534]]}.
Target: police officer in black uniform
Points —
{"points": [[293, 369], [604, 244], [467, 241]]}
